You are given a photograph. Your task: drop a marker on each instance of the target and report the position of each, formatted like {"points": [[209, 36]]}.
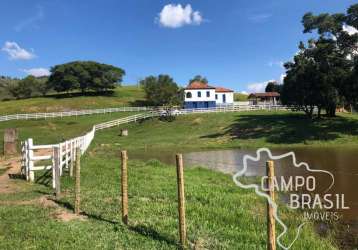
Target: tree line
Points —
{"points": [[324, 72], [77, 76]]}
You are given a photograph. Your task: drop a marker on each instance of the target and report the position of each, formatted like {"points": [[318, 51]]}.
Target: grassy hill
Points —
{"points": [[219, 214], [122, 96]]}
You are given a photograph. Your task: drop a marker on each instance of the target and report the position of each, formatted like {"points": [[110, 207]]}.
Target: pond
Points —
{"points": [[341, 162]]}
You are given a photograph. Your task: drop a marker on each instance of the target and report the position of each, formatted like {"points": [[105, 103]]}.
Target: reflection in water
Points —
{"points": [[341, 162]]}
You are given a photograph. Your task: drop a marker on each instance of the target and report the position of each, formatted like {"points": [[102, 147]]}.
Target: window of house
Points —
{"points": [[216, 96], [188, 95], [224, 98], [199, 94], [207, 93]]}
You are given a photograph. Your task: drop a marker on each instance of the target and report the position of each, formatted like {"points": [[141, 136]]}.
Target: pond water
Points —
{"points": [[341, 162]]}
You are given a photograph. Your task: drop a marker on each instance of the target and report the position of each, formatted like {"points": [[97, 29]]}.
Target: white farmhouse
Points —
{"points": [[202, 95]]}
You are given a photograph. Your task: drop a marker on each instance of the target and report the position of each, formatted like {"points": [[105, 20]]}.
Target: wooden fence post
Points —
{"points": [[124, 187], [72, 146], [31, 161], [56, 171], [78, 181], [181, 199], [271, 233]]}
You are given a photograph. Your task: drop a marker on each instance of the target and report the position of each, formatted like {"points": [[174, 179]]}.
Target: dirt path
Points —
{"points": [[7, 185]]}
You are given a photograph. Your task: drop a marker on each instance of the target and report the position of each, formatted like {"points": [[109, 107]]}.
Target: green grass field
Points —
{"points": [[56, 130], [219, 214], [238, 130], [123, 96]]}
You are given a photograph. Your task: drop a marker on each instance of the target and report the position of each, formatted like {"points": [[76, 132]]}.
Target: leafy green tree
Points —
{"points": [[338, 50], [161, 90], [324, 72], [23, 88], [199, 78], [273, 86], [84, 76]]}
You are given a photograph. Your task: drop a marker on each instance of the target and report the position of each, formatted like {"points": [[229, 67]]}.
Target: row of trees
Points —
{"points": [[22, 88], [75, 76], [324, 73]]}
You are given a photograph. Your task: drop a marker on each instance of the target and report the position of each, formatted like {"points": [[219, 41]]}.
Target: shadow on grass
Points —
{"points": [[140, 229], [152, 233], [288, 128], [45, 179]]}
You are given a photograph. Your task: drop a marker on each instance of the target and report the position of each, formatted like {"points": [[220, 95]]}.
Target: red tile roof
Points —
{"points": [[221, 89], [266, 94], [199, 85]]}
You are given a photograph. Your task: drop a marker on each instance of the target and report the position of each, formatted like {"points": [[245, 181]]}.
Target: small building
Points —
{"points": [[224, 96], [201, 95], [267, 98]]}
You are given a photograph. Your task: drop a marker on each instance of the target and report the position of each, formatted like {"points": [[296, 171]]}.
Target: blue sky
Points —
{"points": [[237, 44]]}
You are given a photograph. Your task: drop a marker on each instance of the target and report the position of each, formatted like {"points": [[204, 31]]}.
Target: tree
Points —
{"points": [[41, 85], [23, 88], [338, 50], [161, 90], [273, 86], [84, 76], [199, 78], [323, 72]]}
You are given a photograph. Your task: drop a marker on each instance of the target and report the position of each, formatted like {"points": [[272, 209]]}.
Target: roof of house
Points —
{"points": [[266, 94], [199, 85], [221, 89]]}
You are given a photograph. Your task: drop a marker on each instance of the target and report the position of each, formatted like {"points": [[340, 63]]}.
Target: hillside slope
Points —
{"points": [[123, 96]]}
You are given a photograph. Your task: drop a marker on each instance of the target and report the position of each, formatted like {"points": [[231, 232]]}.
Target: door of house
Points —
{"points": [[195, 105], [224, 98], [206, 104]]}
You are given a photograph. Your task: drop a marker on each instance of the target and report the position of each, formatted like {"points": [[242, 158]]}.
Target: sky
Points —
{"points": [[236, 44]]}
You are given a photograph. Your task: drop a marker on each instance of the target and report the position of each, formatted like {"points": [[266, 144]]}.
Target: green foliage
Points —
{"points": [[161, 90], [240, 97], [199, 78], [273, 86], [84, 76], [323, 74]]}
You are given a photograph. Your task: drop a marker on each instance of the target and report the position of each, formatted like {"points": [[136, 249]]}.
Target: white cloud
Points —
{"points": [[15, 52], [257, 87], [282, 77], [37, 72], [175, 16], [350, 29], [244, 92]]}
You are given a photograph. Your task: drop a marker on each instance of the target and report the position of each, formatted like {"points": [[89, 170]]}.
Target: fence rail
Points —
{"points": [[71, 113], [35, 155], [220, 108], [41, 157]]}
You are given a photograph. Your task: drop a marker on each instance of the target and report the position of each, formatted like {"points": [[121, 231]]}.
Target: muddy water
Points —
{"points": [[341, 162]]}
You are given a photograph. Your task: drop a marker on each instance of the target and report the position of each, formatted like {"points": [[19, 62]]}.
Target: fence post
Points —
{"points": [[72, 157], [181, 199], [56, 171], [31, 162], [124, 187], [271, 233], [78, 181]]}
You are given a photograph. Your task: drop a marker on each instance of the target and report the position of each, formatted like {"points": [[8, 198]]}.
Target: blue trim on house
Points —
{"points": [[199, 105]]}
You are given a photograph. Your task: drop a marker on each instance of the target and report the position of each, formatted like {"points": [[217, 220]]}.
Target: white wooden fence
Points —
{"points": [[219, 108], [71, 113], [41, 157]]}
